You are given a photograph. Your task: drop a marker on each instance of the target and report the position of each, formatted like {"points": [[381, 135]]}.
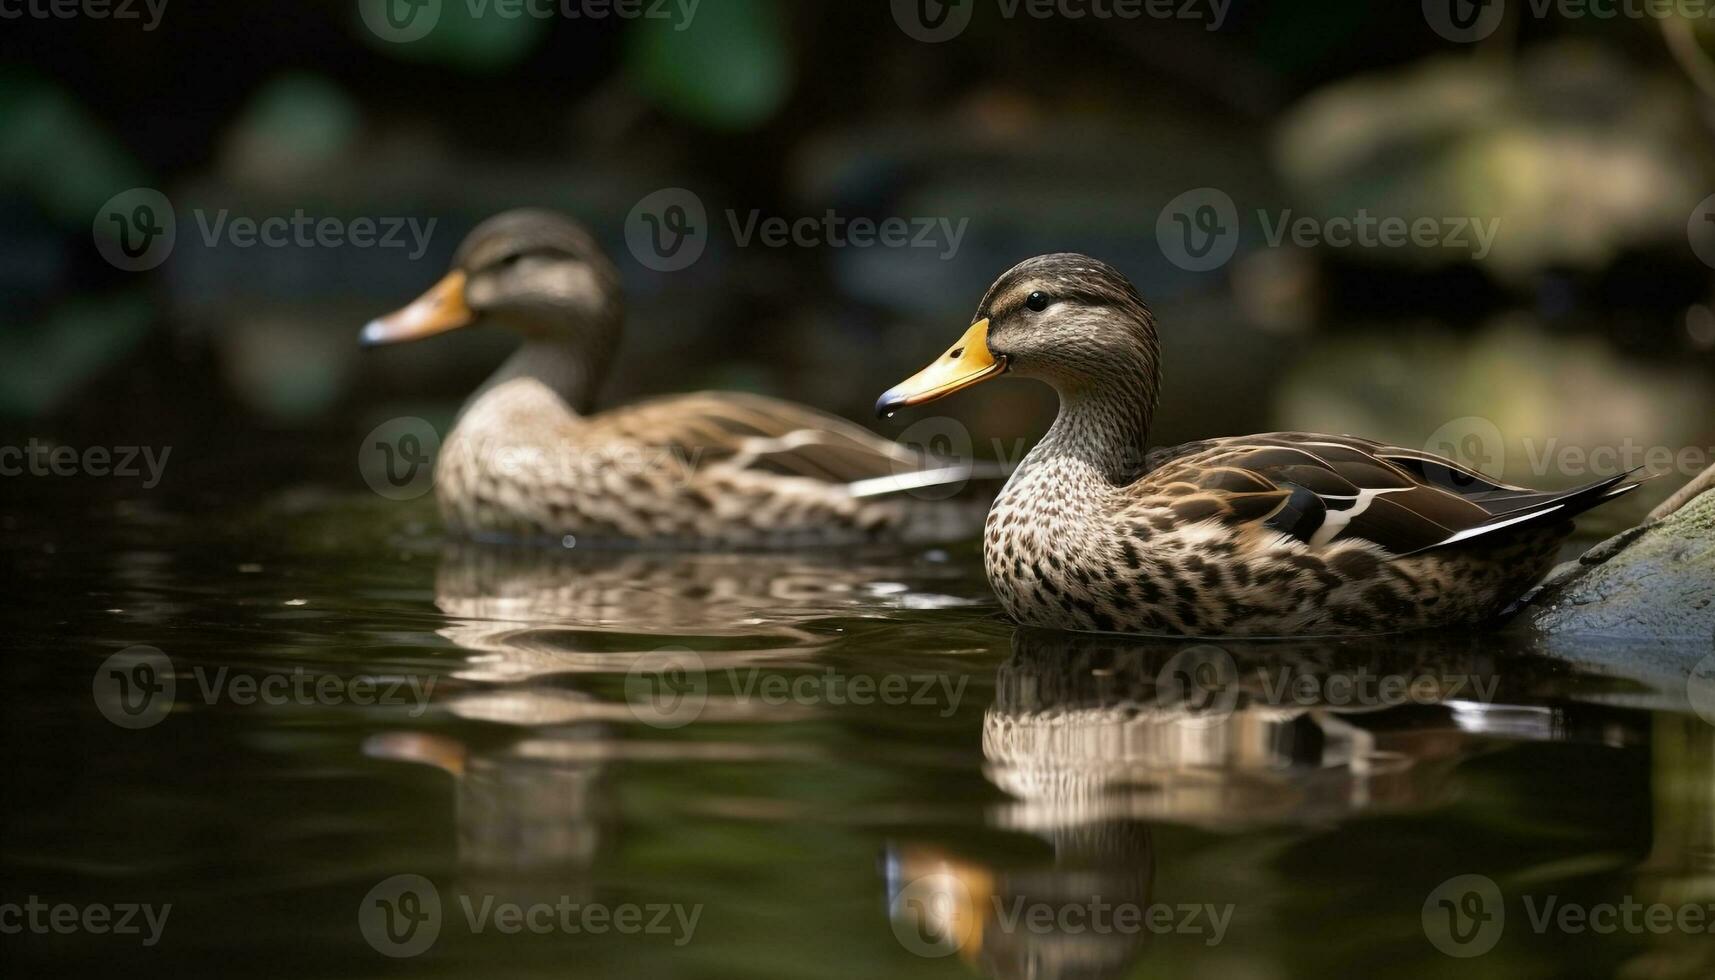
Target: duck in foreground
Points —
{"points": [[527, 462], [1282, 534]]}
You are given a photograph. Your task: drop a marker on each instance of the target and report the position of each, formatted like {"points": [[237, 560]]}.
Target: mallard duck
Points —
{"points": [[526, 460], [1287, 533]]}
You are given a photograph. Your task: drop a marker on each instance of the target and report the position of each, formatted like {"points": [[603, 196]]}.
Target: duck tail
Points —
{"points": [[1517, 511]]}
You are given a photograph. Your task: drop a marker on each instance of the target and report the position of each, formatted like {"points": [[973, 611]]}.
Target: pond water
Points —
{"points": [[338, 747]]}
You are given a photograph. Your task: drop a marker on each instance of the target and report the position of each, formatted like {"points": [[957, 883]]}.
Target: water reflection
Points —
{"points": [[1081, 910], [523, 813], [1234, 735], [1097, 740], [532, 612], [543, 635], [1251, 734]]}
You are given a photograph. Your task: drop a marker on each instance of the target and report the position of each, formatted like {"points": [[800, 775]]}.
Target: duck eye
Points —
{"points": [[1036, 302]]}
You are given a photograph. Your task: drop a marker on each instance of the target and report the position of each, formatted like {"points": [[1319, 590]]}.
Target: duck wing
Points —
{"points": [[742, 431], [1319, 489]]}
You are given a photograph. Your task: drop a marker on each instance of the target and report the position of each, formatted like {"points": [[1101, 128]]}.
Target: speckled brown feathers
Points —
{"points": [[712, 469], [527, 461], [1280, 534], [1207, 545]]}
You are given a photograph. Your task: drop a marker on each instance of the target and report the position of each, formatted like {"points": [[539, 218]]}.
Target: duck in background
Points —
{"points": [[528, 461], [1282, 534]]}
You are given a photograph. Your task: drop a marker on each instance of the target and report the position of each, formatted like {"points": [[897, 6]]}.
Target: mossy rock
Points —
{"points": [[1653, 582]]}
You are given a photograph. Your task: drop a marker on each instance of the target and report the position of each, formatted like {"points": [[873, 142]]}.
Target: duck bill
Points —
{"points": [[440, 309], [966, 363]]}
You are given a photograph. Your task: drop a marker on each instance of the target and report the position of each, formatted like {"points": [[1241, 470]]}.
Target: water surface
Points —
{"points": [[791, 766]]}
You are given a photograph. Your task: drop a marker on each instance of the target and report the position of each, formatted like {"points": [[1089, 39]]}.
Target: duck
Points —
{"points": [[1282, 534], [529, 459]]}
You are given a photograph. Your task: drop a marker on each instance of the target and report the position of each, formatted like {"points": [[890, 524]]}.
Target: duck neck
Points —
{"points": [[1103, 427], [558, 366]]}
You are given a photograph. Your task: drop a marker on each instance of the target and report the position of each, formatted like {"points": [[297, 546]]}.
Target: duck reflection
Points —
{"points": [[1097, 739], [1228, 735], [531, 612], [1080, 910], [528, 817], [539, 628]]}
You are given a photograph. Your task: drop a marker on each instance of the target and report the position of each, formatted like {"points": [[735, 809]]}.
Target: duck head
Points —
{"points": [[1067, 319], [535, 272]]}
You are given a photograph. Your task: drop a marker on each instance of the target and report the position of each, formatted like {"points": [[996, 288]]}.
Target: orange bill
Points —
{"points": [[440, 309], [966, 363]]}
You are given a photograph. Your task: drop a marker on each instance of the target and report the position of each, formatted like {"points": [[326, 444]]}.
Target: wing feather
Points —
{"points": [[1335, 488], [762, 434]]}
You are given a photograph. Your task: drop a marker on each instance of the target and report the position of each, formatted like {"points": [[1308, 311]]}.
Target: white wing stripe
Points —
{"points": [[1472, 532]]}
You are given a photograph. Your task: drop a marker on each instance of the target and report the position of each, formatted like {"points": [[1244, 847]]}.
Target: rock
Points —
{"points": [[1654, 582]]}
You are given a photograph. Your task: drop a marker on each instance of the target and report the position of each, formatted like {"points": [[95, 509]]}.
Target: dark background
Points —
{"points": [[1589, 323]]}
